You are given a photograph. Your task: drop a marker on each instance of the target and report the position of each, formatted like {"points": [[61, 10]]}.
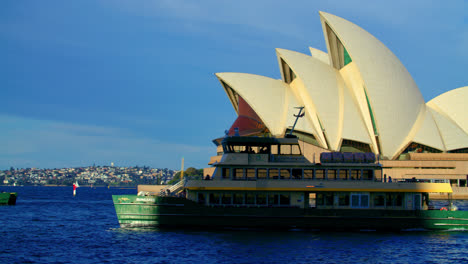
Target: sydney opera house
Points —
{"points": [[357, 97]]}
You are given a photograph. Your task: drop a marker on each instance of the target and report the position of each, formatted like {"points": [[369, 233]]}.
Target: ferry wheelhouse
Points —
{"points": [[267, 182]]}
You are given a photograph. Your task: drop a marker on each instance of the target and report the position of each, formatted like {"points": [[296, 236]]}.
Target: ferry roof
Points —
{"points": [[258, 141]]}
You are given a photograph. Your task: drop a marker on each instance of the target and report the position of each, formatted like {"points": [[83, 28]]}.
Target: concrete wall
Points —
{"points": [[151, 188]]}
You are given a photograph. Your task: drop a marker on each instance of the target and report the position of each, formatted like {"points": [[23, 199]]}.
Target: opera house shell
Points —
{"points": [[357, 97]]}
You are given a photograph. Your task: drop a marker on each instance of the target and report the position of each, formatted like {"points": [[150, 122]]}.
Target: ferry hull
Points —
{"points": [[7, 198], [155, 211]]}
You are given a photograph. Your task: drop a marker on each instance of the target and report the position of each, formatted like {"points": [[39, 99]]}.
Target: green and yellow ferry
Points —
{"points": [[264, 182], [8, 198]]}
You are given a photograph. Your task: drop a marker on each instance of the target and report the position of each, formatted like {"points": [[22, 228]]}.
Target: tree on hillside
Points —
{"points": [[189, 172]]}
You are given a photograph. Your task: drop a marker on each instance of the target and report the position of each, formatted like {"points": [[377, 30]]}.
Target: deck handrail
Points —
{"points": [[174, 189]]}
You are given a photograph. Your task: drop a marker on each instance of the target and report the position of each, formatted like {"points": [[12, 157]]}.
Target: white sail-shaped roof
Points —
{"points": [[453, 136], [428, 134], [353, 123], [454, 104], [355, 85], [358, 91], [392, 92], [320, 55], [321, 89], [268, 97]]}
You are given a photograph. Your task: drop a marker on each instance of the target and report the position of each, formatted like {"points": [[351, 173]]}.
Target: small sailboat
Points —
{"points": [[75, 185]]}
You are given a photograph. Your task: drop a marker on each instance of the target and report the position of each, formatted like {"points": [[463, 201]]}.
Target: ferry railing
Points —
{"points": [[286, 158], [173, 189], [412, 180], [176, 187]]}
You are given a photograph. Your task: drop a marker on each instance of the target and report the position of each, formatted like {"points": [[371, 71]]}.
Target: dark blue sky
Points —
{"points": [[132, 82]]}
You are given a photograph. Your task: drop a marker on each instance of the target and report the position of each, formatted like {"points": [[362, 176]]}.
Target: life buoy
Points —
{"points": [[443, 209]]}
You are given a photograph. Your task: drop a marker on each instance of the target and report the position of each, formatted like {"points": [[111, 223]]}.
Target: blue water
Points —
{"points": [[49, 225]]}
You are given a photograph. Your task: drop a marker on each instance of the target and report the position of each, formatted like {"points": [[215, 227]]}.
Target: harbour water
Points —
{"points": [[49, 225]]}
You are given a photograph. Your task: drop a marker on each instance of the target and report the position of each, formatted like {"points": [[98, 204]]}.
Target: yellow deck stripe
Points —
{"points": [[318, 189]]}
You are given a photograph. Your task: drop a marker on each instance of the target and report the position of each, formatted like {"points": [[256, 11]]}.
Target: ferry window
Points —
{"points": [[417, 201], [250, 174], [238, 174], [328, 199], [331, 174], [297, 174], [240, 149], [364, 200], [226, 198], [238, 198], [255, 150], [308, 174], [312, 200], [201, 198], [388, 200], [285, 149], [343, 174], [355, 174], [367, 175], [394, 199], [263, 150], [343, 199], [319, 174], [284, 200], [285, 174], [261, 173], [296, 150], [226, 173], [325, 199], [274, 149], [273, 199], [261, 199], [249, 198], [355, 200], [227, 148], [398, 199], [360, 200], [319, 199], [379, 200], [214, 198], [273, 173]]}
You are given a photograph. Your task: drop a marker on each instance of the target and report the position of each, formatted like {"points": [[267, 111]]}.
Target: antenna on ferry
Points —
{"points": [[299, 115]]}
